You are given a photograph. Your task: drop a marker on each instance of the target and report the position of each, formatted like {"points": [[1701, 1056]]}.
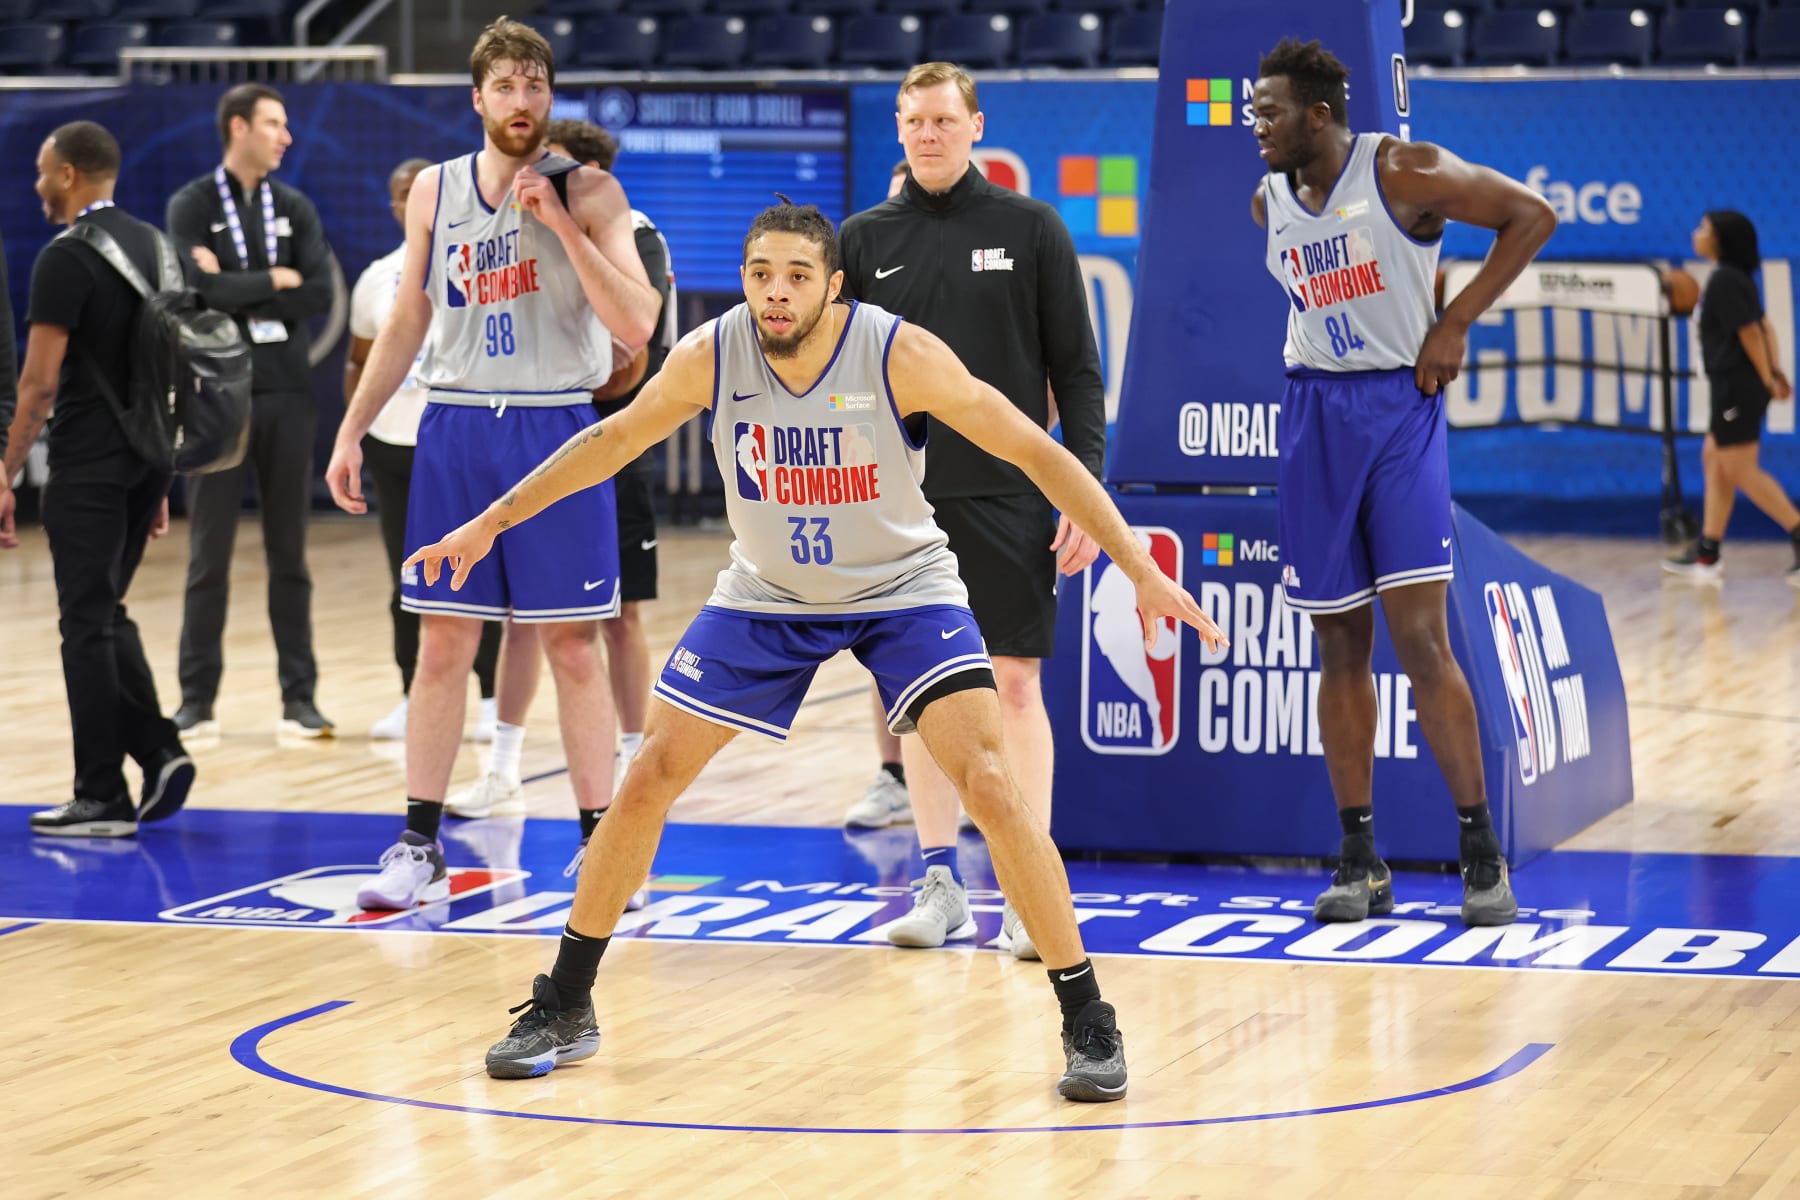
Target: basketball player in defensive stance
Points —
{"points": [[1354, 225], [835, 549]]}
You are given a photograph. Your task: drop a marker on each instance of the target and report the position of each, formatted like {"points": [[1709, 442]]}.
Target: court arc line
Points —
{"points": [[246, 1049]]}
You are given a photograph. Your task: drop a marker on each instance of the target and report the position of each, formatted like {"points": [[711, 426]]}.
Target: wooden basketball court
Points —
{"points": [[159, 1055]]}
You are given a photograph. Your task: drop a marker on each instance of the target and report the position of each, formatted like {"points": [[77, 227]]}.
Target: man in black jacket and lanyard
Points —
{"points": [[994, 274], [265, 261]]}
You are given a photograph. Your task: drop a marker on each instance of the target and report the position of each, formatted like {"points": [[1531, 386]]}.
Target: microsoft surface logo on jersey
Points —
{"points": [[1130, 696], [751, 442], [1218, 549], [1099, 194], [1209, 101], [459, 274]]}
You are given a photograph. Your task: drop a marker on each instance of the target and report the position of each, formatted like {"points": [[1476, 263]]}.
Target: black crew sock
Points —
{"points": [[1075, 987], [590, 821], [1359, 833], [897, 771], [577, 962], [1706, 550], [424, 816]]}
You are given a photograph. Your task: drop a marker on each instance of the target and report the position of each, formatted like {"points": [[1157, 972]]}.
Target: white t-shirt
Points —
{"points": [[370, 303]]}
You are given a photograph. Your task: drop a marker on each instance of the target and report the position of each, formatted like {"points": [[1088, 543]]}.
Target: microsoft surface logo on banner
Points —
{"points": [[1218, 549], [1209, 101], [1098, 194]]}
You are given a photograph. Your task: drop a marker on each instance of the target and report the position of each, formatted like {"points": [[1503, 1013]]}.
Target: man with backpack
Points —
{"points": [[104, 499], [266, 262]]}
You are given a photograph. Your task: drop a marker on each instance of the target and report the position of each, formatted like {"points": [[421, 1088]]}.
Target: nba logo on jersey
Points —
{"points": [[459, 274], [1130, 696], [1297, 273], [752, 443], [1515, 644]]}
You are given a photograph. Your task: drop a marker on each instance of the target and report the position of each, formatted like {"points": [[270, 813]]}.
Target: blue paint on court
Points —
{"points": [[246, 1048], [1657, 913]]}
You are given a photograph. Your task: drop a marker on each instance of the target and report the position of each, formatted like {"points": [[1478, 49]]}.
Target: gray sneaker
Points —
{"points": [[940, 913], [1013, 936], [1095, 1052], [1358, 890], [547, 1036], [884, 803], [1487, 893]]}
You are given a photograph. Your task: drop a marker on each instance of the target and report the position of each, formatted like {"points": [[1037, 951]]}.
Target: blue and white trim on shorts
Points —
{"points": [[717, 715], [1357, 599], [522, 616]]}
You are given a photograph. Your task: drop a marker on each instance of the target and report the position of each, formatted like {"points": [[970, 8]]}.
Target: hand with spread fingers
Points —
{"points": [[1158, 596], [462, 547]]}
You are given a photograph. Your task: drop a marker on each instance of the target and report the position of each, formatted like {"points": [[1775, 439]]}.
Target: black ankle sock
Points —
{"points": [[424, 816], [590, 821], [1706, 550], [1358, 821], [1075, 988], [1474, 817], [897, 771], [577, 962], [1476, 844]]}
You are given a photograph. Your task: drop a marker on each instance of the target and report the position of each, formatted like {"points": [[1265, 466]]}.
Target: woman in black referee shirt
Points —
{"points": [[1742, 365]]}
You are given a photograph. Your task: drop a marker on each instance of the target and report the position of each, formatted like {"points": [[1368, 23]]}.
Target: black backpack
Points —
{"points": [[188, 409]]}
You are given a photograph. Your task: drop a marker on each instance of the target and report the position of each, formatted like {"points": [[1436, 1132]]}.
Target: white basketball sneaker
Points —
{"points": [[412, 872], [391, 728], [489, 796]]}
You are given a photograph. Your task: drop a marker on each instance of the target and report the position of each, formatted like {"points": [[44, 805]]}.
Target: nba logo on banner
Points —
{"points": [[1130, 696], [752, 443], [1521, 657], [459, 274]]}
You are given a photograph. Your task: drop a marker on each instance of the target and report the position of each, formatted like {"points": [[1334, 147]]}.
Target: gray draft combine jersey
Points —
{"points": [[822, 488], [508, 316], [1361, 290]]}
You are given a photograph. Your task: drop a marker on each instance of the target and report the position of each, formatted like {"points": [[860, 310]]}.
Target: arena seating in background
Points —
{"points": [[75, 36]]}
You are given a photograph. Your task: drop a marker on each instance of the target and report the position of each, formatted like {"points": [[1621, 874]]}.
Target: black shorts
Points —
{"points": [[1002, 548], [637, 536], [1739, 401]]}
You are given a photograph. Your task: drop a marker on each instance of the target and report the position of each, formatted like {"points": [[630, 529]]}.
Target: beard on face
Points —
{"points": [[511, 143], [787, 345]]}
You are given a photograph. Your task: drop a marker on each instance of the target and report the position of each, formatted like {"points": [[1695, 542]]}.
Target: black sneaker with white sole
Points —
{"points": [[302, 718], [546, 1037], [1094, 1050], [87, 818], [167, 780]]}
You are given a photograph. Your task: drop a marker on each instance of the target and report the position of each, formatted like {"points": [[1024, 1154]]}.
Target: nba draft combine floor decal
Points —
{"points": [[1659, 914]]}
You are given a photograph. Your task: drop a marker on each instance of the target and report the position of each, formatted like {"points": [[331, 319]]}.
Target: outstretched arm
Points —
{"points": [[1427, 185], [683, 387], [927, 377]]}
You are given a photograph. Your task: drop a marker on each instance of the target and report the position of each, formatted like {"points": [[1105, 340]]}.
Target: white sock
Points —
{"points": [[629, 744], [509, 746]]}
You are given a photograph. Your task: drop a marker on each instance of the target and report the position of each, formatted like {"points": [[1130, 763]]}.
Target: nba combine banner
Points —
{"points": [[1219, 752]]}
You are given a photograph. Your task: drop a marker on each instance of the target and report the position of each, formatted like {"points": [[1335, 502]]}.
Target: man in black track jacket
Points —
{"points": [[995, 275]]}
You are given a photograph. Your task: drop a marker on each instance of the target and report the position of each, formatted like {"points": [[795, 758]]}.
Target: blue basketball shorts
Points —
{"points": [[1365, 487], [751, 670], [562, 565]]}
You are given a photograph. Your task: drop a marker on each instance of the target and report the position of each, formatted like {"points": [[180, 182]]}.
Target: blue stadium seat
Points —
{"points": [[16, 10], [835, 8], [1650, 6], [1610, 35], [1135, 39], [666, 8], [156, 10], [245, 10], [559, 31], [922, 8], [706, 43], [618, 43], [1561, 7], [750, 8], [216, 35], [1061, 40], [580, 8], [1438, 38], [73, 10], [882, 40], [1103, 7], [1466, 7], [793, 40], [1515, 37], [972, 39], [1703, 35], [1013, 8], [1778, 36], [97, 43], [31, 47]]}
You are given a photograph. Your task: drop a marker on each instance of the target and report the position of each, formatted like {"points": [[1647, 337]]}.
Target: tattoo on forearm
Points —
{"points": [[591, 433], [505, 525]]}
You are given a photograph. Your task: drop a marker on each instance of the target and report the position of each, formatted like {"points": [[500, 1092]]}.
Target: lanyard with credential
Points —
{"points": [[96, 206], [236, 225]]}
